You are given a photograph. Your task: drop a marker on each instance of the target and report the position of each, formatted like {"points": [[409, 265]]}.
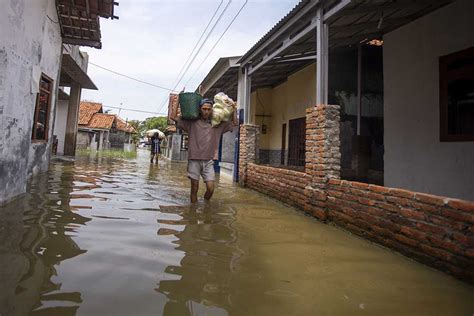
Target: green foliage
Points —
{"points": [[112, 153], [159, 122], [136, 125]]}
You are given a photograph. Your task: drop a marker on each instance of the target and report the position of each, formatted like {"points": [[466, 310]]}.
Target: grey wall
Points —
{"points": [[83, 140], [28, 40], [414, 156], [228, 146], [118, 138], [60, 124]]}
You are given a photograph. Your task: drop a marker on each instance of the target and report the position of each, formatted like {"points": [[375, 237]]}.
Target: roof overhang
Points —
{"points": [[63, 95], [79, 20], [222, 77], [71, 72], [291, 43]]}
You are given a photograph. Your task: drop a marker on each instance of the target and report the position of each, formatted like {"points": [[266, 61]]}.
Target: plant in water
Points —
{"points": [[111, 153]]}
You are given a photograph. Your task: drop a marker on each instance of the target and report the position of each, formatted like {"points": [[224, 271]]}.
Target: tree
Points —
{"points": [[156, 122]]}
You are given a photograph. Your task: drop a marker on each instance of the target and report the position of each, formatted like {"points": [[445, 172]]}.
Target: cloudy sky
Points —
{"points": [[153, 38]]}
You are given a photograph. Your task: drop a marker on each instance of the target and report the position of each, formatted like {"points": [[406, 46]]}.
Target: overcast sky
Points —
{"points": [[152, 39]]}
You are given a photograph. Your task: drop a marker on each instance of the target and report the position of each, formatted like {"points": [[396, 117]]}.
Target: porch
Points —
{"points": [[347, 160]]}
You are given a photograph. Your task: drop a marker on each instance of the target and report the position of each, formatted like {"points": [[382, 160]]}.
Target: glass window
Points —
{"points": [[457, 96], [42, 109]]}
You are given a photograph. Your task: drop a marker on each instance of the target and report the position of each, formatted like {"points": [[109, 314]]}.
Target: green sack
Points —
{"points": [[189, 105]]}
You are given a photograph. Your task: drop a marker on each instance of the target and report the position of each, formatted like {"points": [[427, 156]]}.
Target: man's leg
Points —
{"points": [[209, 176], [209, 190], [194, 190]]}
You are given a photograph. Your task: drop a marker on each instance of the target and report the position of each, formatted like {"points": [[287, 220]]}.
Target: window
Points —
{"points": [[456, 75], [42, 109]]}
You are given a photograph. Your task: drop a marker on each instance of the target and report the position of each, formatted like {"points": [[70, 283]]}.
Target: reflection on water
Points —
{"points": [[118, 237], [208, 241]]}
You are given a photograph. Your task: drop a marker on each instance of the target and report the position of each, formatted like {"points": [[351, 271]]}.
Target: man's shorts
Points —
{"points": [[204, 168]]}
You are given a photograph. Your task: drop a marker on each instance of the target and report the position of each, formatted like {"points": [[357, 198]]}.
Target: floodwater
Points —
{"points": [[118, 237]]}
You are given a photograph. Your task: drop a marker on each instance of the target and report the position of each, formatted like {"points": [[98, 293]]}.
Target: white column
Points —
{"points": [[322, 59], [243, 92], [101, 140]]}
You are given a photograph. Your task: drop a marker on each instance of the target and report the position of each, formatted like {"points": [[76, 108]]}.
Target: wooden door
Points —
{"points": [[283, 144], [296, 142]]}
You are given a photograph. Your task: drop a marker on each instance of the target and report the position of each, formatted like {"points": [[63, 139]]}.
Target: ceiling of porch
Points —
{"points": [[79, 20], [291, 44]]}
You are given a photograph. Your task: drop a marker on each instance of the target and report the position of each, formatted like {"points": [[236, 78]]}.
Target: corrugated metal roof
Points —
{"points": [[275, 28]]}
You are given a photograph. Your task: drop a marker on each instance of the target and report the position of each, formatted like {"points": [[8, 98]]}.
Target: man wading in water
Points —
{"points": [[202, 146]]}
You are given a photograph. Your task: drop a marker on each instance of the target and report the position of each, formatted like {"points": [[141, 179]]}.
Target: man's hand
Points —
{"points": [[235, 120], [175, 111]]}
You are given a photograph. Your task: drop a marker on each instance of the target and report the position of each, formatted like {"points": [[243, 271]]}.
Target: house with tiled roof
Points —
{"points": [[98, 130]]}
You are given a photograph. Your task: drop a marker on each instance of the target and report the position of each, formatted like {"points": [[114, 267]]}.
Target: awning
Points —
{"points": [[72, 72], [79, 20], [223, 77], [291, 44]]}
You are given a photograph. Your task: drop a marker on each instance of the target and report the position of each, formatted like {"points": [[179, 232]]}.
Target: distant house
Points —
{"points": [[98, 130]]}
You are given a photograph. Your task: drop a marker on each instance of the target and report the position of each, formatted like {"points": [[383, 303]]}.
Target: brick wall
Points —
{"points": [[248, 149], [285, 185], [437, 231]]}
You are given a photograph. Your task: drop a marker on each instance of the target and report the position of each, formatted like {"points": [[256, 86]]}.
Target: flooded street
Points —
{"points": [[118, 237]]}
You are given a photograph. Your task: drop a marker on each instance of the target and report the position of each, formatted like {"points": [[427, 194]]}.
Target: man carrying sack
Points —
{"points": [[202, 146]]}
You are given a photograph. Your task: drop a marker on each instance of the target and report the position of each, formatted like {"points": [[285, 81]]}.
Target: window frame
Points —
{"points": [[444, 62], [48, 113]]}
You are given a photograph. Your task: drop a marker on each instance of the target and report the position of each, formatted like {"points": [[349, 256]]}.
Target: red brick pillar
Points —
{"points": [[248, 153], [323, 156]]}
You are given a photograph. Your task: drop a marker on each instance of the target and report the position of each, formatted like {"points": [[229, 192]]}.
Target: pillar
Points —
{"points": [[248, 151], [323, 156], [72, 120], [322, 59], [101, 140]]}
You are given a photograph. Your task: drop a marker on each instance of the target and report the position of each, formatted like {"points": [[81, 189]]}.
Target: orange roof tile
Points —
{"points": [[101, 120], [124, 126], [87, 110]]}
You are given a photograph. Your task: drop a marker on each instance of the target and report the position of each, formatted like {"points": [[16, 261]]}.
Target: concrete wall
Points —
{"points": [[60, 124], [119, 138], [414, 156], [83, 140], [275, 107], [28, 41]]}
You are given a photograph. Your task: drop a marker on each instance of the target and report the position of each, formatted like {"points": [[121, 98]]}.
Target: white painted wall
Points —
{"points": [[414, 157], [28, 39], [60, 124]]}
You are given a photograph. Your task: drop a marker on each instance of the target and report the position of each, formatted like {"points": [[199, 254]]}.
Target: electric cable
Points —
{"points": [[197, 43], [131, 78], [198, 50], [222, 35]]}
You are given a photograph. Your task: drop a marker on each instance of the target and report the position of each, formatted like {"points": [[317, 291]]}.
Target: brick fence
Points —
{"points": [[437, 231]]}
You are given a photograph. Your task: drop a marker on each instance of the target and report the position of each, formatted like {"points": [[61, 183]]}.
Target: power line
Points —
{"points": [[197, 43], [222, 35], [131, 78], [199, 49], [126, 109]]}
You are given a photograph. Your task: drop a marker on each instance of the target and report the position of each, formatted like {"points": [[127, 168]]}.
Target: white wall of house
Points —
{"points": [[28, 41], [60, 124], [414, 156]]}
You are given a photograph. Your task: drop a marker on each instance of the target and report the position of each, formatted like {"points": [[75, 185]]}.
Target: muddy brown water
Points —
{"points": [[118, 237]]}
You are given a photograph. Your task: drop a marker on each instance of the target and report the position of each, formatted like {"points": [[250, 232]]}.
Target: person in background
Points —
{"points": [[202, 146], [155, 148]]}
